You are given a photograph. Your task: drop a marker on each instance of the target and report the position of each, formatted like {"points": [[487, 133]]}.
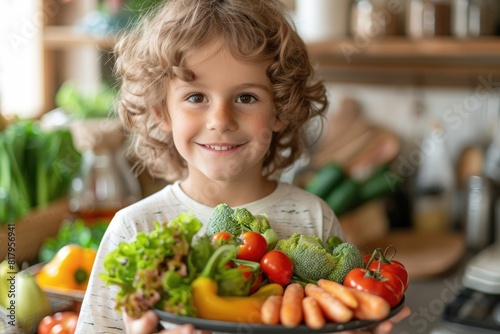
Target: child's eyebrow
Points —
{"points": [[255, 85], [250, 85]]}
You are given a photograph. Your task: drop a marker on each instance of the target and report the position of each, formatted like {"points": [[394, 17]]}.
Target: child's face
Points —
{"points": [[222, 121]]}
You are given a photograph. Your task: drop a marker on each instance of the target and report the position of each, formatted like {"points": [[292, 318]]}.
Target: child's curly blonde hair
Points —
{"points": [[156, 50]]}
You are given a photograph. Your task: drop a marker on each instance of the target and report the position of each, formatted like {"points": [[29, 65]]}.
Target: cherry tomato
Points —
{"points": [[255, 278], [254, 246], [58, 323], [277, 266], [384, 284], [221, 236]]}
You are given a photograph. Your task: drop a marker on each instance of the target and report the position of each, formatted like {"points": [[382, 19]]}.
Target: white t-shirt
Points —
{"points": [[289, 209]]}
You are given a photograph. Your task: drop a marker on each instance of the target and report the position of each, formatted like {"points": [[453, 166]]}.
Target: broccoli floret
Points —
{"points": [[332, 242], [310, 259], [257, 223], [347, 257], [243, 217], [223, 220], [260, 223]]}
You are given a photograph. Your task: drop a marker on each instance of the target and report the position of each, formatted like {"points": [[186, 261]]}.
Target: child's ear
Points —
{"points": [[277, 125], [162, 116]]}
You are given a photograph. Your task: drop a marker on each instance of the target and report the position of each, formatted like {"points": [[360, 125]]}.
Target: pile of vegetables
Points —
{"points": [[239, 271], [37, 167]]}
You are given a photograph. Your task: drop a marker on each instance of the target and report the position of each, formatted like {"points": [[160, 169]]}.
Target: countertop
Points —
{"points": [[427, 299]]}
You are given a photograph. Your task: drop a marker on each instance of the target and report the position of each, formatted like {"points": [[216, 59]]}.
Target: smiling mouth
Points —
{"points": [[221, 147]]}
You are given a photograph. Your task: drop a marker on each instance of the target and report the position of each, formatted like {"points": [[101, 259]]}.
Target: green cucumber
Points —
{"points": [[381, 183], [325, 180], [343, 197]]}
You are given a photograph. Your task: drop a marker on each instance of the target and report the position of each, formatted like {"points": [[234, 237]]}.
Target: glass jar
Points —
{"points": [[474, 18], [429, 18], [321, 20], [376, 18]]}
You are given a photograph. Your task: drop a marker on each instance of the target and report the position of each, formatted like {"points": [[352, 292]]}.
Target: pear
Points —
{"points": [[8, 269], [31, 303]]}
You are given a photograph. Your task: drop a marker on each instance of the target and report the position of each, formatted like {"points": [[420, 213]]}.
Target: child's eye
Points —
{"points": [[246, 98], [196, 98]]}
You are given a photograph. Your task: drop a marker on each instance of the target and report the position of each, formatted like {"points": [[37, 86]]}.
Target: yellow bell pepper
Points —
{"points": [[211, 306], [69, 269]]}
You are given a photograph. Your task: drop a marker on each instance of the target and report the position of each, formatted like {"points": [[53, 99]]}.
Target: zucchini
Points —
{"points": [[325, 180]]}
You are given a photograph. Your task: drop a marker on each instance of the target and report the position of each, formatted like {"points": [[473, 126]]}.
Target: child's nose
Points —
{"points": [[221, 118]]}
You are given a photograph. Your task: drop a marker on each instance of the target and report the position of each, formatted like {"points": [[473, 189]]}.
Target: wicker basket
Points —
{"points": [[32, 230]]}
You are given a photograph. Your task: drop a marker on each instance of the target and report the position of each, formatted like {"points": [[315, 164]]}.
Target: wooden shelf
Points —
{"points": [[63, 37], [401, 47], [440, 61], [433, 62]]}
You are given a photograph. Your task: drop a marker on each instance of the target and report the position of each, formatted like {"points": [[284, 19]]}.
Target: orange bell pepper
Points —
{"points": [[69, 269]]}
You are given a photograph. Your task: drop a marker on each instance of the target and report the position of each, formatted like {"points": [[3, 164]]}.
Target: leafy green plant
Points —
{"points": [[36, 166], [83, 105]]}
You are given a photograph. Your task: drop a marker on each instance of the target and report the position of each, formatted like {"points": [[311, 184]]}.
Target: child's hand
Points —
{"points": [[148, 323], [386, 326], [185, 329]]}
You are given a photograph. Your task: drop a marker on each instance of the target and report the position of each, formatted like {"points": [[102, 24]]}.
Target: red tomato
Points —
{"points": [[59, 323], [221, 236], [254, 246], [395, 267], [277, 266], [255, 277], [384, 284], [382, 262]]}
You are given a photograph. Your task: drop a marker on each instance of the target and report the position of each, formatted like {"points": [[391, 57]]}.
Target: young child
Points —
{"points": [[217, 95]]}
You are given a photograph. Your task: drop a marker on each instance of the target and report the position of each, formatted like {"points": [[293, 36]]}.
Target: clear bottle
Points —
{"points": [[434, 183]]}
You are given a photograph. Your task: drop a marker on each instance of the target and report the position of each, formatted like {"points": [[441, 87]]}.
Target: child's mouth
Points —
{"points": [[221, 147]]}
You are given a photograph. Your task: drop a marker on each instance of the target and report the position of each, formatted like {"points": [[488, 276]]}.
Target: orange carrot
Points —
{"points": [[333, 308], [340, 292], [313, 316], [370, 306], [270, 310], [291, 314]]}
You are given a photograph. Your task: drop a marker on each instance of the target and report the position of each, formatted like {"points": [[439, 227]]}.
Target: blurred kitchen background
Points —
{"points": [[409, 155]]}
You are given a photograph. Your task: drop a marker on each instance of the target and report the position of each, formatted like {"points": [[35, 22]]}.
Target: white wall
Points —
{"points": [[468, 115]]}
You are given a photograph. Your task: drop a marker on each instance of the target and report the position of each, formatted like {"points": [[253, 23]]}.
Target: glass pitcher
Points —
{"points": [[105, 183]]}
